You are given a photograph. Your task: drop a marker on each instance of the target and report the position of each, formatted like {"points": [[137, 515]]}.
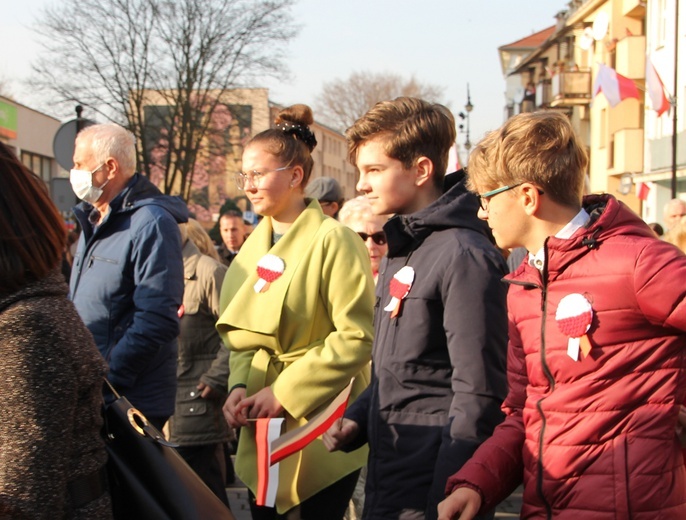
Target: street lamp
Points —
{"points": [[464, 116]]}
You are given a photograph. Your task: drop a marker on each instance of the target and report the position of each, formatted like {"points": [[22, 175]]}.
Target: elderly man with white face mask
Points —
{"points": [[127, 277]]}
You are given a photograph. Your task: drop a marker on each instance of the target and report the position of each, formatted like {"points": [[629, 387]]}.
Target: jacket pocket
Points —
{"points": [[97, 260], [190, 404]]}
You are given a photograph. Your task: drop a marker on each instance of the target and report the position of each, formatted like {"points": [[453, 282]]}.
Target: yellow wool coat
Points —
{"points": [[306, 336]]}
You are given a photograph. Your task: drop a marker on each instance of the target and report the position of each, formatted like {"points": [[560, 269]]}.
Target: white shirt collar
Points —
{"points": [[580, 220]]}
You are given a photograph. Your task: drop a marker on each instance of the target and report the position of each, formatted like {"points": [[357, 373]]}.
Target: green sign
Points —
{"points": [[8, 120]]}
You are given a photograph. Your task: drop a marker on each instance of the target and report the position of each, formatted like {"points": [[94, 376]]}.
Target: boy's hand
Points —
{"points": [[340, 433], [463, 500], [207, 392]]}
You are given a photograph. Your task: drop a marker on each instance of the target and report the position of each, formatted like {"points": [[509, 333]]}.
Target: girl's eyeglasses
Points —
{"points": [[254, 177]]}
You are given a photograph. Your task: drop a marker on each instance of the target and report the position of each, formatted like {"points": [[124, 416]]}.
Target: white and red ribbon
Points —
{"points": [[266, 431], [574, 316], [399, 288], [269, 269], [272, 448]]}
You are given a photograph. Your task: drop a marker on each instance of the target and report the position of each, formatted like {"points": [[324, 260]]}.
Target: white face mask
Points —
{"points": [[82, 184]]}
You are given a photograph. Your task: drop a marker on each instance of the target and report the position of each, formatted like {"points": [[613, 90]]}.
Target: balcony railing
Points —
{"points": [[571, 88]]}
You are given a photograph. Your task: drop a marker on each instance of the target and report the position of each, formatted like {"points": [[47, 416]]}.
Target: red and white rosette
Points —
{"points": [[574, 316], [269, 268], [400, 286]]}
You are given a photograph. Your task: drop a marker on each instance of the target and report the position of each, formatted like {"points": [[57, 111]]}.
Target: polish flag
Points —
{"points": [[615, 86], [266, 431], [656, 89], [272, 448], [642, 190]]}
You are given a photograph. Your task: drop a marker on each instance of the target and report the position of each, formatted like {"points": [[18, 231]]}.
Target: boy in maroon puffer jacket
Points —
{"points": [[596, 359]]}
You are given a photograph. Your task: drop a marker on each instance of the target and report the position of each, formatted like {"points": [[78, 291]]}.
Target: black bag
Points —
{"points": [[148, 479]]}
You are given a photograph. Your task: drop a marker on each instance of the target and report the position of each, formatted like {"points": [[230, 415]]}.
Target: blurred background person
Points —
{"points": [[52, 458], [677, 234], [357, 215], [329, 194], [297, 342], [233, 233], [205, 244], [201, 239], [198, 425], [657, 228], [673, 211]]}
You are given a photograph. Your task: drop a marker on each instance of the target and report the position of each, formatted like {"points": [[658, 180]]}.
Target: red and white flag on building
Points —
{"points": [[642, 190], [656, 89], [273, 449], [615, 86]]}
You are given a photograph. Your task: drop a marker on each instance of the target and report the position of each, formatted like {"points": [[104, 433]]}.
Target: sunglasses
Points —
{"points": [[379, 238]]}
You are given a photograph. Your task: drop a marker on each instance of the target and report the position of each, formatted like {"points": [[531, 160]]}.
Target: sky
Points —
{"points": [[446, 43]]}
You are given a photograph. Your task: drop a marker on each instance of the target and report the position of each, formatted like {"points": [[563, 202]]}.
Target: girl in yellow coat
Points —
{"points": [[299, 330]]}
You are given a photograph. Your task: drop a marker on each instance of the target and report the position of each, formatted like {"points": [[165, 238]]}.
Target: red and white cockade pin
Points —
{"points": [[269, 268], [400, 286], [574, 316]]}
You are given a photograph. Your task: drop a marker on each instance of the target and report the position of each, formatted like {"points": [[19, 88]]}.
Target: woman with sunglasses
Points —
{"points": [[297, 307], [357, 214]]}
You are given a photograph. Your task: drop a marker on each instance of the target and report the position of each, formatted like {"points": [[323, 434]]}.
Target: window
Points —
{"points": [[662, 19], [38, 164]]}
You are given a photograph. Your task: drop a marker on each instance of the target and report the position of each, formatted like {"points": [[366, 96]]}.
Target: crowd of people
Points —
{"points": [[562, 369]]}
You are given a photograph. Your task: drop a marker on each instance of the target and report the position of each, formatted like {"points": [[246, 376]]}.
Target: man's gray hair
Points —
{"points": [[111, 140]]}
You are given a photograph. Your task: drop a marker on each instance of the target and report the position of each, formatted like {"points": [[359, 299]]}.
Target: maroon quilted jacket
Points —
{"points": [[593, 438]]}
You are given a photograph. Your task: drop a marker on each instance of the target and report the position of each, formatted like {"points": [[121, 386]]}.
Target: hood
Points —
{"points": [[139, 192], [456, 208], [609, 218]]}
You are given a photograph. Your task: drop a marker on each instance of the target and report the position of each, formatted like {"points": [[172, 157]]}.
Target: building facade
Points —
{"points": [[30, 134], [627, 143]]}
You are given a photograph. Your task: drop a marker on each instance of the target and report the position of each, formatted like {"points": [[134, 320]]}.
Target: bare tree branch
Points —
{"points": [[342, 101], [160, 68]]}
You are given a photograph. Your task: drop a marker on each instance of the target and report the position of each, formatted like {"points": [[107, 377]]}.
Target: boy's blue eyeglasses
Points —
{"points": [[485, 197]]}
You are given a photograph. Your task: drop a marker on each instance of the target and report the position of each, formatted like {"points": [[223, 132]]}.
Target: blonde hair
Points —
{"points": [[197, 234], [537, 147]]}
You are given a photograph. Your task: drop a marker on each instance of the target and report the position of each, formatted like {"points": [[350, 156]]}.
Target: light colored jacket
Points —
{"points": [[306, 336]]}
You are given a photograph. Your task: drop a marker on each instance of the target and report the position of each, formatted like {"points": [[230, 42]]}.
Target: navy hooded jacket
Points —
{"points": [[439, 366], [127, 285]]}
